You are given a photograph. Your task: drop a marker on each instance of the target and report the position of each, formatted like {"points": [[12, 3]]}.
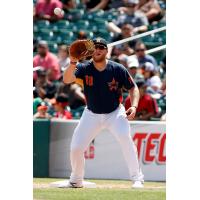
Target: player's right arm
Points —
{"points": [[69, 73]]}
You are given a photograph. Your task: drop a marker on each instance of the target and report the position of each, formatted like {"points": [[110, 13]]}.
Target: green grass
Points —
{"points": [[121, 191]]}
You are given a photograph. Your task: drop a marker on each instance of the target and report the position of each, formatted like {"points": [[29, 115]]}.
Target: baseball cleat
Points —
{"points": [[138, 184]]}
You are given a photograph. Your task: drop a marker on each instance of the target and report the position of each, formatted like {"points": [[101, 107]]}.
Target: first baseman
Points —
{"points": [[103, 81]]}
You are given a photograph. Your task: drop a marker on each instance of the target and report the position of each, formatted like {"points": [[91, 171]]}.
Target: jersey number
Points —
{"points": [[89, 80]]}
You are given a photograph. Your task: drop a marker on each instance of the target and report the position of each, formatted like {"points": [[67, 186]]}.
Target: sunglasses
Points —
{"points": [[137, 50], [101, 47]]}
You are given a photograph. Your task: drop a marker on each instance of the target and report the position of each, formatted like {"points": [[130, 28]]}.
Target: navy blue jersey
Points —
{"points": [[103, 89]]}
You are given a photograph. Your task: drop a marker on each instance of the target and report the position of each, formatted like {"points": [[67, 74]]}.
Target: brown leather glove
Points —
{"points": [[80, 49]]}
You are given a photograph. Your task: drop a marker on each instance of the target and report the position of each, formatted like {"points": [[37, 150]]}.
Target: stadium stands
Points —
{"points": [[94, 24]]}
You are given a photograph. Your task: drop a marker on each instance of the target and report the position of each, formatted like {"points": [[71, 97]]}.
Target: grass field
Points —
{"points": [[106, 190]]}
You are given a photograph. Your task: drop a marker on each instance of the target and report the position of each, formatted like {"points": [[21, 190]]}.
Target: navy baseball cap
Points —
{"points": [[101, 41]]}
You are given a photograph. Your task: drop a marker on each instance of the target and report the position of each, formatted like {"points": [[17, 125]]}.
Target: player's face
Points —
{"points": [[100, 53]]}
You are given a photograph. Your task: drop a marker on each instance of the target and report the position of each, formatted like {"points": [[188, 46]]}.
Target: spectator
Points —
{"points": [[44, 9], [92, 5], [44, 88], [163, 117], [163, 67], [151, 9], [36, 102], [140, 49], [81, 35], [63, 57], [75, 93], [125, 48], [122, 58], [61, 107], [133, 68], [47, 60], [42, 112], [153, 80], [163, 88], [147, 106], [68, 5], [35, 44], [130, 16]]}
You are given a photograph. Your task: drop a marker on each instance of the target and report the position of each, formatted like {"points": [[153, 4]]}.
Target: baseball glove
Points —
{"points": [[80, 49]]}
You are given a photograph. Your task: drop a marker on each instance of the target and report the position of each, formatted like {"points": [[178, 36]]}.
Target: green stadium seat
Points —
{"points": [[74, 14], [125, 95], [61, 24], [64, 36], [53, 47], [77, 11], [159, 56], [88, 33], [152, 41], [77, 113], [82, 24], [45, 35], [100, 23], [42, 24], [92, 27], [65, 33], [104, 34], [155, 119], [35, 28], [34, 54], [162, 103]]}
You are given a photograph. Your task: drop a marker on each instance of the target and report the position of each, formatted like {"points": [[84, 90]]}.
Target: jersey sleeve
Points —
{"points": [[80, 71], [127, 80]]}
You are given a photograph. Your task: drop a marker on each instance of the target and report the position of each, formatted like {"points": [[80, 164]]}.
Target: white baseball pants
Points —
{"points": [[88, 128]]}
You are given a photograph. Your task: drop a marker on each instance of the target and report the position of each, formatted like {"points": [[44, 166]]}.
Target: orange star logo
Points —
{"points": [[113, 85]]}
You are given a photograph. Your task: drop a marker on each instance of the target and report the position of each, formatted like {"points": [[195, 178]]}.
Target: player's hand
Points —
{"points": [[131, 113], [72, 59]]}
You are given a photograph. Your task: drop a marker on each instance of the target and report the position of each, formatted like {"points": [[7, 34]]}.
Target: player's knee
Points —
{"points": [[123, 136], [77, 149]]}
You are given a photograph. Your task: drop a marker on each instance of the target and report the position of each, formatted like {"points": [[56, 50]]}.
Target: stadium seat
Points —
{"points": [[125, 95], [77, 113], [100, 23], [42, 24], [64, 36], [162, 103], [159, 56], [45, 35], [92, 27], [74, 14], [65, 33], [53, 47], [88, 33], [104, 34], [61, 24], [35, 28], [82, 24], [34, 54], [152, 41]]}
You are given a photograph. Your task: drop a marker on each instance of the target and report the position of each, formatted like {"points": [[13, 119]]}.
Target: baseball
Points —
{"points": [[58, 11]]}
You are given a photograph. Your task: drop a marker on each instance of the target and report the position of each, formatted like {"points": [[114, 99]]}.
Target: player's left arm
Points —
{"points": [[134, 98], [130, 85]]}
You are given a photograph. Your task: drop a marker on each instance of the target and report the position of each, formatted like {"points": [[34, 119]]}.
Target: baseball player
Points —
{"points": [[103, 81]]}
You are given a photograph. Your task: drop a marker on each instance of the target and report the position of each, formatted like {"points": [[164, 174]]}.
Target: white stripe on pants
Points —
{"points": [[88, 128]]}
